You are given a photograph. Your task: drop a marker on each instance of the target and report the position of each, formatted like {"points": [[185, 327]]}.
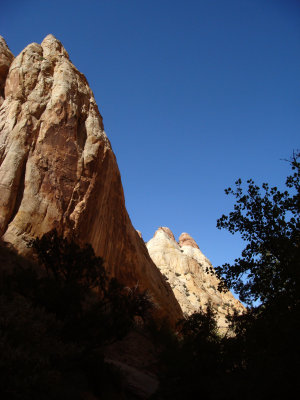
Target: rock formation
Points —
{"points": [[58, 170], [186, 269], [6, 59]]}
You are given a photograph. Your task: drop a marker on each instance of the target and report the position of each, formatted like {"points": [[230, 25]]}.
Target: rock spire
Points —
{"points": [[58, 170], [186, 268]]}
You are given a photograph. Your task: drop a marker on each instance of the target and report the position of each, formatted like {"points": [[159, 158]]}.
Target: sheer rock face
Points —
{"points": [[186, 269], [57, 168]]}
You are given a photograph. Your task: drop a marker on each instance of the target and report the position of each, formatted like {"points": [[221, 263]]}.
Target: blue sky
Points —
{"points": [[194, 94]]}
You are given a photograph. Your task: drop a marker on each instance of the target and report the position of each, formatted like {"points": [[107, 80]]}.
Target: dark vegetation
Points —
{"points": [[57, 315], [267, 337], [260, 359]]}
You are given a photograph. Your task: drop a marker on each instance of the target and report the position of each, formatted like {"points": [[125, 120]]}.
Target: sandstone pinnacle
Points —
{"points": [[191, 275], [166, 230], [186, 240], [58, 170]]}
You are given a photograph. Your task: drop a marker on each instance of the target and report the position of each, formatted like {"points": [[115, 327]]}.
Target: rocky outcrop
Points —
{"points": [[188, 271], [58, 170], [6, 58]]}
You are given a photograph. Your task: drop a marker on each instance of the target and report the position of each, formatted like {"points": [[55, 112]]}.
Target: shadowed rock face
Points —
{"points": [[185, 267], [58, 170]]}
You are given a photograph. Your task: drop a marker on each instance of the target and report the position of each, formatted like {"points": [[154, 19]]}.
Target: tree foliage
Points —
{"points": [[193, 363], [269, 221], [201, 325], [265, 348], [260, 359], [65, 260], [55, 318]]}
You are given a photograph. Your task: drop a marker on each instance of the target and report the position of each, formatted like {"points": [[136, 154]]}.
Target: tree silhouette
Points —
{"points": [[269, 221], [66, 260], [265, 349]]}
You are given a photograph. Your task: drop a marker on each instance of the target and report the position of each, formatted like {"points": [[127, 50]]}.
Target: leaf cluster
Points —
{"points": [[269, 221]]}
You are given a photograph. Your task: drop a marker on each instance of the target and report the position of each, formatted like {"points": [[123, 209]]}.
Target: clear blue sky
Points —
{"points": [[194, 94]]}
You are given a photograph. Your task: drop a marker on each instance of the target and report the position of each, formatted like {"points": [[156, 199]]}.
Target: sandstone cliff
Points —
{"points": [[185, 268], [58, 170]]}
